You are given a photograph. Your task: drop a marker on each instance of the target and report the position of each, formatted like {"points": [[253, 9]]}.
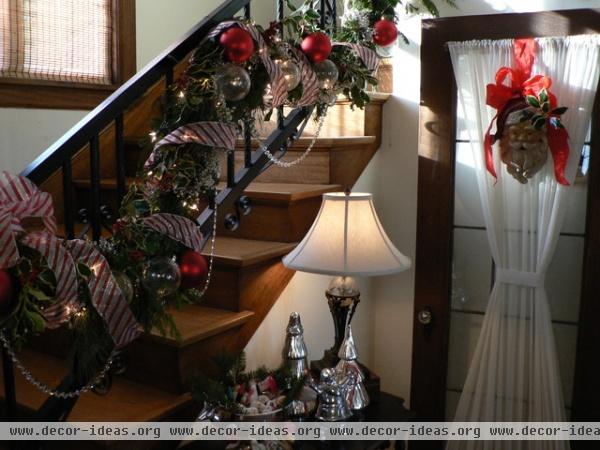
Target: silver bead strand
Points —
{"points": [[212, 251], [302, 157], [47, 389]]}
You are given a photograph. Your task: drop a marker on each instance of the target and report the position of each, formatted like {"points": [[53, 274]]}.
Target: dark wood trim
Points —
{"points": [[586, 395], [434, 225], [65, 95], [435, 207]]}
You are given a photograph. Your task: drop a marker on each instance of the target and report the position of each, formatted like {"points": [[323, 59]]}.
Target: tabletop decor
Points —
{"points": [[237, 394], [357, 396]]}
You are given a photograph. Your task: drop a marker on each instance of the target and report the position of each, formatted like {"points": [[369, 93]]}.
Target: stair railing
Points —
{"points": [[111, 111]]}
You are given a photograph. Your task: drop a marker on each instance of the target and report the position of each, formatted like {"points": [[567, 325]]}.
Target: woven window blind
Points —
{"points": [[56, 40]]}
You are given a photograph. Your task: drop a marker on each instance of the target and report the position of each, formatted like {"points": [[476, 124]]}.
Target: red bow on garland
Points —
{"points": [[535, 90]]}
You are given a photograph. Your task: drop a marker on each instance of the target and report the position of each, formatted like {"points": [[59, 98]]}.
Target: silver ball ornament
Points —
{"points": [[291, 74], [327, 74], [233, 82], [161, 276]]}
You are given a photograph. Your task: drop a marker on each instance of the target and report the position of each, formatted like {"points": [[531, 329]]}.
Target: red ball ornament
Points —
{"points": [[317, 46], [193, 268], [384, 32], [6, 291], [238, 44]]}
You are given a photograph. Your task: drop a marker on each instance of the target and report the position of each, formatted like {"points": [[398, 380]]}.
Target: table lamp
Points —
{"points": [[345, 240]]}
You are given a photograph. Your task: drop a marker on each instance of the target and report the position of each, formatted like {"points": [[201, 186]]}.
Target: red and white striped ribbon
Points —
{"points": [[177, 228], [213, 134], [310, 82], [106, 294], [22, 198], [278, 85], [9, 253], [368, 56], [61, 262]]}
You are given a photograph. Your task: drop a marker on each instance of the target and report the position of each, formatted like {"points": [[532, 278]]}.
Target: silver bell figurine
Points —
{"points": [[332, 392], [356, 396], [294, 351]]}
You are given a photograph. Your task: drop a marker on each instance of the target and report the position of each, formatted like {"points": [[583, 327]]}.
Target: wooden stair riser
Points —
{"points": [[276, 222], [271, 219], [314, 169], [341, 120], [170, 367]]}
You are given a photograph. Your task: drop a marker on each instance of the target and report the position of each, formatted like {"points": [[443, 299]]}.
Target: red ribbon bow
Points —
{"points": [[522, 84]]}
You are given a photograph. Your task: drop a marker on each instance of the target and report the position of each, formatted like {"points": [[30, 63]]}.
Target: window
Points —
{"points": [[72, 52]]}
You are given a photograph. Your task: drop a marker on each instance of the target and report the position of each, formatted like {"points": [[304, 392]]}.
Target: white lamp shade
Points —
{"points": [[347, 239]]}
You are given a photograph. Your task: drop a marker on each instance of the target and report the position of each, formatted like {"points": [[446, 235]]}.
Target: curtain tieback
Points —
{"points": [[519, 278]]}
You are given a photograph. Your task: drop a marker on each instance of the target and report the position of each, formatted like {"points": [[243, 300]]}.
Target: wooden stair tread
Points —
{"points": [[196, 323], [286, 192], [126, 401], [246, 252], [282, 192]]}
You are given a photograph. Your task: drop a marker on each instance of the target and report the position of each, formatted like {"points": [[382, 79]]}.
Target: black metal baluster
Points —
{"points": [[280, 16], [120, 157], [168, 92], [231, 168], [9, 386], [247, 15], [247, 146], [95, 213], [68, 203], [323, 14], [333, 12]]}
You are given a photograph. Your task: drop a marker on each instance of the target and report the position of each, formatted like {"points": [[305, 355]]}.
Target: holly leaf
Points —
{"points": [[559, 111], [539, 123], [543, 96], [533, 101], [545, 106]]}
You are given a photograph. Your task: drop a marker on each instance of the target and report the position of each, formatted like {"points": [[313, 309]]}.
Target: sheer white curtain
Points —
{"points": [[514, 372]]}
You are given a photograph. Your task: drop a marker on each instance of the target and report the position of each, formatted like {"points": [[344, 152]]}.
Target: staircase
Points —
{"points": [[248, 276]]}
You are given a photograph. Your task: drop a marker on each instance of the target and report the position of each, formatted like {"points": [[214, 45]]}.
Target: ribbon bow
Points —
{"points": [[521, 85], [20, 198]]}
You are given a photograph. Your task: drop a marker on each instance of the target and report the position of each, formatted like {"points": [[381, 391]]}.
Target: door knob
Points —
{"points": [[424, 316]]}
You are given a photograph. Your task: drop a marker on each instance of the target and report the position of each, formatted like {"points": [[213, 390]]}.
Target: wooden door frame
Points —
{"points": [[435, 213]]}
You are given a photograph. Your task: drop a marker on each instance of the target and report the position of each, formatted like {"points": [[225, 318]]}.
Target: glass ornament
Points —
{"points": [[233, 82], [291, 74], [327, 74], [161, 276]]}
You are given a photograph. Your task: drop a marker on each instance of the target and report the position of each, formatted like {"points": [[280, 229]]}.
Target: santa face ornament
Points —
{"points": [[523, 148]]}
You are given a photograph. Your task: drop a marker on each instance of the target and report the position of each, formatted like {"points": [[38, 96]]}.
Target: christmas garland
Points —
{"points": [[110, 291]]}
